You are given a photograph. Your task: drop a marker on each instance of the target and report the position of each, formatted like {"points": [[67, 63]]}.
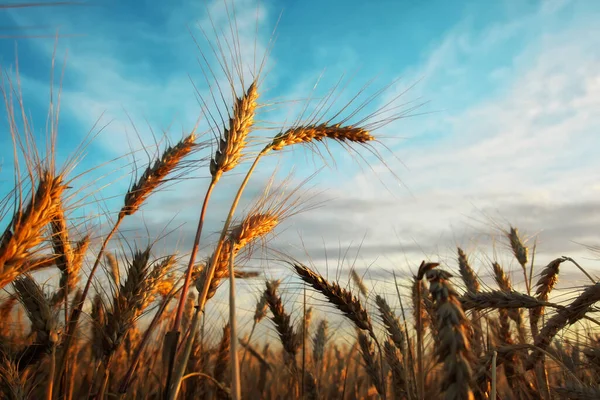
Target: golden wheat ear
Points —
{"points": [[155, 175], [26, 230], [233, 140]]}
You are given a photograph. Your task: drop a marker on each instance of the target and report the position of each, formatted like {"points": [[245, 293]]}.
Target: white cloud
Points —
{"points": [[528, 147]]}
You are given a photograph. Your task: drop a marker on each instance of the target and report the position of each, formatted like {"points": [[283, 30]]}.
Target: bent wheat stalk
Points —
{"points": [[226, 158], [153, 177]]}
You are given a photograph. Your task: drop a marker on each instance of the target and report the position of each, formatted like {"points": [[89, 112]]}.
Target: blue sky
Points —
{"points": [[508, 132]]}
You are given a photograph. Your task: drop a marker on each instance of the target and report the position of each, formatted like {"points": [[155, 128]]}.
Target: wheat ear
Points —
{"points": [[571, 314], [253, 227], [223, 355], [547, 281], [312, 133], [12, 382], [25, 231], [70, 268], [345, 301], [453, 348], [348, 304], [505, 284], [132, 298], [472, 284], [289, 338], [391, 323], [40, 313], [393, 358], [359, 283], [260, 312], [368, 356], [319, 341]]}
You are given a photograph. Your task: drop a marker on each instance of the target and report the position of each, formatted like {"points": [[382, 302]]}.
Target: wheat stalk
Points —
{"points": [[418, 301], [227, 156]]}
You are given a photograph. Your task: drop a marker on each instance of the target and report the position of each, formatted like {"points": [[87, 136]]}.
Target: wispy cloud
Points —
{"points": [[509, 133]]}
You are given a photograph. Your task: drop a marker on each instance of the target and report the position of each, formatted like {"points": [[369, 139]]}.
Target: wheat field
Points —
{"points": [[89, 315]]}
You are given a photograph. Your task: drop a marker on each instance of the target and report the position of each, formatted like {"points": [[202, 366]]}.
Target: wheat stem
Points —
{"points": [[180, 368], [235, 366], [420, 378], [188, 273], [172, 337], [494, 380], [77, 310]]}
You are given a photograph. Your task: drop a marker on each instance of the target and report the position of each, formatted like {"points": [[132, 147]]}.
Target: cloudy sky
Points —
{"points": [[505, 131]]}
